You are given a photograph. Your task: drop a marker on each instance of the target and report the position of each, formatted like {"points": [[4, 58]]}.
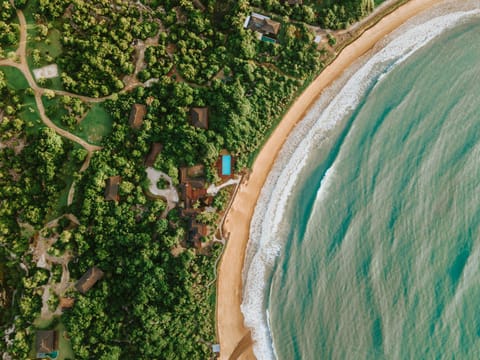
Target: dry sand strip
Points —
{"points": [[230, 325]]}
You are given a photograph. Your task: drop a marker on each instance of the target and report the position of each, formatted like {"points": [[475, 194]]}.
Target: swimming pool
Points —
{"points": [[226, 165]]}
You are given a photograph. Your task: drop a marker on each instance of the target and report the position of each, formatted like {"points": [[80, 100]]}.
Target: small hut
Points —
{"points": [[46, 342], [112, 187], [263, 24], [155, 149], [196, 232], [89, 279], [66, 303], [136, 115], [199, 117], [193, 174]]}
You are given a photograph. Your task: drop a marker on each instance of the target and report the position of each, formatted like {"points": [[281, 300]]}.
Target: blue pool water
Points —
{"points": [[226, 165]]}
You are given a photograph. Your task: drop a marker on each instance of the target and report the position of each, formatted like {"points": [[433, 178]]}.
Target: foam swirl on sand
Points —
{"points": [[265, 242]]}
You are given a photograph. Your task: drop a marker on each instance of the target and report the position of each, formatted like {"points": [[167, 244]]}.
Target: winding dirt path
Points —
{"points": [[38, 91], [46, 261]]}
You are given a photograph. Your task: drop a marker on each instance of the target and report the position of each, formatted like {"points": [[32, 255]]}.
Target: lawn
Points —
{"points": [[92, 128], [15, 78], [51, 46], [64, 346], [55, 110], [28, 11], [10, 48], [29, 112], [95, 125], [66, 173]]}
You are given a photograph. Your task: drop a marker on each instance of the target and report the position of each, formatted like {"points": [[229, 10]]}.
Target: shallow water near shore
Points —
{"points": [[375, 253]]}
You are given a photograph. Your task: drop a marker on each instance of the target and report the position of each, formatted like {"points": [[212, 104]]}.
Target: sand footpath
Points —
{"points": [[235, 341]]}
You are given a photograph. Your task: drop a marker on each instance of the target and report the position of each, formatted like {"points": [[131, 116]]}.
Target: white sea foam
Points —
{"points": [[265, 242]]}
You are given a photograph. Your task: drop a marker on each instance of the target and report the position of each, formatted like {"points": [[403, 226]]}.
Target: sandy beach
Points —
{"points": [[234, 338]]}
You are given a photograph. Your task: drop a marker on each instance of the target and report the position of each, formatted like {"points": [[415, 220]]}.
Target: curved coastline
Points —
{"points": [[234, 337]]}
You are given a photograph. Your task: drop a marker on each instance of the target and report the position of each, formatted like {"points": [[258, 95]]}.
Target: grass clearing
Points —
{"points": [[95, 125], [92, 128], [50, 48], [29, 111], [55, 110], [30, 8], [67, 174], [10, 48], [64, 345], [15, 78]]}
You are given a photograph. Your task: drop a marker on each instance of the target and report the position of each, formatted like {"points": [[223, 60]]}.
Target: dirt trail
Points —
{"points": [[84, 167], [45, 260], [38, 91]]}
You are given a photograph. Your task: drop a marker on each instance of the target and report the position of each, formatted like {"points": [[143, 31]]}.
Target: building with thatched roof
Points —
{"points": [[66, 303], [199, 117], [196, 232], [89, 279], [155, 149], [136, 115], [193, 174], [112, 188], [46, 342], [198, 4], [263, 24], [192, 194], [192, 183]]}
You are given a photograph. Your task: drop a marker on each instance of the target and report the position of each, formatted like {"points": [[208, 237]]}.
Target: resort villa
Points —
{"points": [[263, 26], [66, 303], [196, 232], [46, 344], [89, 279], [192, 182], [136, 115], [199, 117], [112, 187]]}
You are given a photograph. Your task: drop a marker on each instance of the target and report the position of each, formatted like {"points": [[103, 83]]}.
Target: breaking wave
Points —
{"points": [[335, 104]]}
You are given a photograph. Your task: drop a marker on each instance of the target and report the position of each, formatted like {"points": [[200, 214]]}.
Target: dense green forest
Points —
{"points": [[154, 302]]}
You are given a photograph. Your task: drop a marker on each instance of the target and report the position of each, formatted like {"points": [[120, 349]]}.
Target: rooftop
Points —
{"points": [[199, 117], [155, 149], [112, 187], [89, 279], [262, 24], [46, 341], [136, 115], [66, 302]]}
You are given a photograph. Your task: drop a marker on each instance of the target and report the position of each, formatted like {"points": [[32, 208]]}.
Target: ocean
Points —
{"points": [[365, 243]]}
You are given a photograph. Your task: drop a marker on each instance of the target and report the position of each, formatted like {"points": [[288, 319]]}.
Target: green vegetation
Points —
{"points": [[96, 125], [26, 109], [9, 29], [330, 14], [153, 302]]}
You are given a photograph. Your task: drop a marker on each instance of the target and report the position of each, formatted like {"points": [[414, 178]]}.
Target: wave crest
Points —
{"points": [[265, 242]]}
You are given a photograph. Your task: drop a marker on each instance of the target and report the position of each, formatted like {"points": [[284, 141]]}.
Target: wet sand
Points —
{"points": [[234, 338]]}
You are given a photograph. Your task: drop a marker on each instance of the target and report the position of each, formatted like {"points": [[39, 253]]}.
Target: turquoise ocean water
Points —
{"points": [[379, 241]]}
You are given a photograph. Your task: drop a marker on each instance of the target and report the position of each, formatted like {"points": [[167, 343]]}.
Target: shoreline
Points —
{"points": [[234, 338]]}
